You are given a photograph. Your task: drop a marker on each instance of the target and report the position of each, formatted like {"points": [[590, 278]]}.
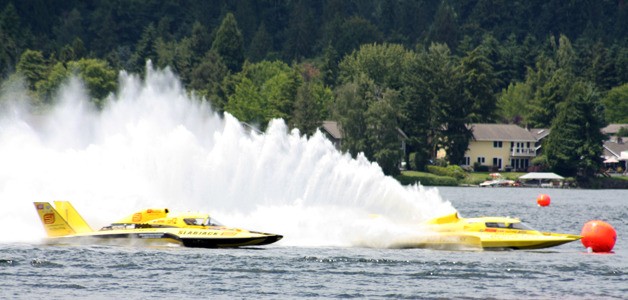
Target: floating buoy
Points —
{"points": [[543, 200], [599, 236]]}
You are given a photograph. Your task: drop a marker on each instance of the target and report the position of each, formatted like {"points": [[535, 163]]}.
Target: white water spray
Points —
{"points": [[153, 145]]}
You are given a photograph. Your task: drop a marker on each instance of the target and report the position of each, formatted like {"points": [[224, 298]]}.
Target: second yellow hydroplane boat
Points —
{"points": [[491, 233]]}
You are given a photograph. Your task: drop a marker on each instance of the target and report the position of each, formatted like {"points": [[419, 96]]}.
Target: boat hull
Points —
{"points": [[157, 238]]}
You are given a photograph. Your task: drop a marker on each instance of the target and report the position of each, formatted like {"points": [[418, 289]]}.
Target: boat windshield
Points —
{"points": [[202, 221], [519, 225], [211, 222]]}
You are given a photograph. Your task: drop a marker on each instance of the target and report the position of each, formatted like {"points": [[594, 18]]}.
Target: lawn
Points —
{"points": [[473, 178]]}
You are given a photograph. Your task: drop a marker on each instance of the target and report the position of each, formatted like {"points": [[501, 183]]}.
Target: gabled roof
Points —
{"points": [[612, 129], [540, 133], [541, 175], [612, 149], [501, 132], [332, 128]]}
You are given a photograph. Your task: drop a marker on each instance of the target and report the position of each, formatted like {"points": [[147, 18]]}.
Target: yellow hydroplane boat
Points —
{"points": [[64, 225], [453, 232]]}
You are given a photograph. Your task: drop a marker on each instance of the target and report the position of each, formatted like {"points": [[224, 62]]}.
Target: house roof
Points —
{"points": [[612, 149], [332, 128], [501, 132], [541, 175], [612, 129], [540, 133]]}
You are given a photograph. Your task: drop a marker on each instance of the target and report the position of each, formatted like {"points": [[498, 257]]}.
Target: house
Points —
{"points": [[333, 132], [615, 149], [612, 129], [503, 146]]}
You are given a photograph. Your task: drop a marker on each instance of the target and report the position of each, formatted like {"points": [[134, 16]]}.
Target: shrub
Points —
{"points": [[426, 179], [450, 171]]}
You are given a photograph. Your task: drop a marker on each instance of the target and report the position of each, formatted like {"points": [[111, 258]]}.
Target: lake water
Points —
{"points": [[282, 271]]}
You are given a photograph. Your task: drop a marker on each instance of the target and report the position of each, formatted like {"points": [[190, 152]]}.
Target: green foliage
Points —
{"points": [[454, 171], [229, 43], [477, 167], [478, 80], [98, 77], [263, 91], [425, 179], [311, 106], [511, 100], [385, 64], [32, 66], [207, 78], [616, 104], [574, 146], [352, 102], [383, 135], [623, 131], [145, 49], [354, 32], [261, 45]]}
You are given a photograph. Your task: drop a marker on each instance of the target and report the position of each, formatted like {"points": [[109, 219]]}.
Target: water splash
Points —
{"points": [[154, 145]]}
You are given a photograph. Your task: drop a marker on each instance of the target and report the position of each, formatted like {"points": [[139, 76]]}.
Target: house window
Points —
{"points": [[467, 161], [497, 144], [481, 160]]}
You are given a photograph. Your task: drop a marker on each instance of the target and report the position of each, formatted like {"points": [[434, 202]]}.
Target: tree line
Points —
{"points": [[426, 68]]}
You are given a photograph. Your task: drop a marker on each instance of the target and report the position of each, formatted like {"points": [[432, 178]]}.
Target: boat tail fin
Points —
{"points": [[74, 219], [54, 224], [450, 218]]}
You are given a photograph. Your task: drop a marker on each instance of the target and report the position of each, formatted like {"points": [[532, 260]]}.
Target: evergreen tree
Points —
{"points": [[478, 84], [301, 33], [330, 66], [9, 39], [228, 43], [207, 78], [261, 45], [145, 48], [444, 29], [574, 146]]}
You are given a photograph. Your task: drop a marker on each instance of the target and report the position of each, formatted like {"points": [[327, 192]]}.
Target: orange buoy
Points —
{"points": [[543, 200], [599, 236]]}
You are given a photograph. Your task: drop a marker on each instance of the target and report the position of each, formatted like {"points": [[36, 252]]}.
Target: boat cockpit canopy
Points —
{"points": [[202, 221], [517, 225]]}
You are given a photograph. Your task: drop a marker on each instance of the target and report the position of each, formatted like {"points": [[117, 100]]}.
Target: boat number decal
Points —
{"points": [[49, 218], [137, 217]]}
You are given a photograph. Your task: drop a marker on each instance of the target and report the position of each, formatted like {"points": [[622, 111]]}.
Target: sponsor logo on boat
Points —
{"points": [[49, 218]]}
